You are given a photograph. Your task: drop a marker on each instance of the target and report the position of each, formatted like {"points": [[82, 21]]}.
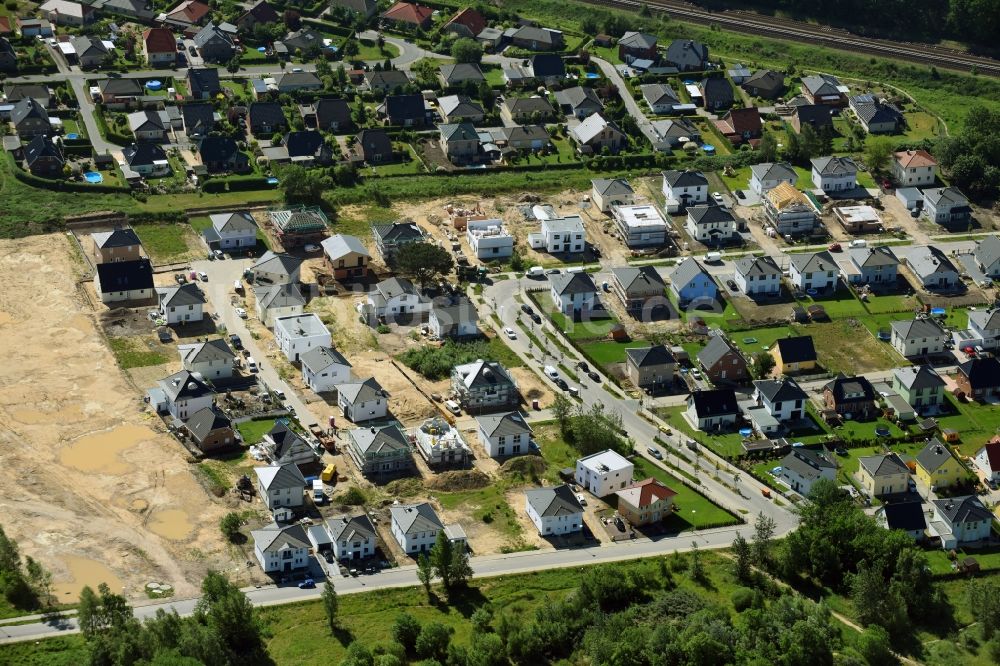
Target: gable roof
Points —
{"points": [[884, 464], [918, 328], [907, 516], [305, 143], [713, 402], [850, 388], [87, 45], [206, 352], [461, 71], [332, 109], [821, 84], [318, 359], [145, 121], [573, 283], [659, 93], [985, 319], [927, 260], [198, 117], [266, 113], [591, 127], [275, 537], [687, 53], [710, 214], [350, 528], [341, 245], [918, 377], [933, 455], [159, 40], [912, 159], [715, 349], [982, 373], [482, 374], [458, 105], [750, 265], [807, 463], [234, 221], [463, 131], [945, 195], [833, 165], [579, 96], [122, 87], [470, 18], [179, 295], [386, 78], [403, 107], [206, 421], [716, 88], [216, 148], [645, 277], [406, 12], [278, 296], [277, 262], [411, 518], [28, 108], [212, 33], [765, 78], [780, 390], [647, 492], [774, 171], [814, 262], [280, 476], [686, 271], [637, 40], [183, 384], [261, 12], [741, 121], [643, 357], [686, 178], [959, 510], [988, 251], [555, 501], [869, 257], [42, 147], [374, 141], [204, 80], [611, 186], [496, 425], [297, 80], [527, 105], [125, 275], [119, 237], [364, 390]]}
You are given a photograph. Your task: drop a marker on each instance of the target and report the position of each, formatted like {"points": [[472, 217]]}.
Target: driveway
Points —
{"points": [[101, 146], [645, 126]]}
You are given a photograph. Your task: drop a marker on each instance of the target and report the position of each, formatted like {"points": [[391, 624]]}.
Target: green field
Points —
{"points": [[164, 243], [609, 352], [135, 353]]}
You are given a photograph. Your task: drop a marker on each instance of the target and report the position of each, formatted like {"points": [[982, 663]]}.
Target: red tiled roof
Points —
{"points": [[647, 492], [471, 19], [914, 158], [159, 40], [993, 455], [191, 11], [4, 25], [408, 13]]}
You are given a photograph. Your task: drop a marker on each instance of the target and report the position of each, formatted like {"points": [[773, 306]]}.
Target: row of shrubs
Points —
{"points": [[235, 184]]}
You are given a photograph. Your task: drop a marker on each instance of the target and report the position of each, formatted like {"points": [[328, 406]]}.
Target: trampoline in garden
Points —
{"points": [[882, 431], [93, 177], [749, 341], [154, 84]]}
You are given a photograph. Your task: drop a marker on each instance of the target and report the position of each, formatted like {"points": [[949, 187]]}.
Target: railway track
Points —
{"points": [[756, 24]]}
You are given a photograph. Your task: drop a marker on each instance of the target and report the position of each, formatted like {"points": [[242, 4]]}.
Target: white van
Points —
{"points": [[860, 242], [251, 364], [238, 287], [575, 269], [713, 257], [551, 372], [453, 407], [535, 271]]}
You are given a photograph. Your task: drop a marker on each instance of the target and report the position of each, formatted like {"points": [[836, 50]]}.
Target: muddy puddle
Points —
{"points": [[84, 572], [100, 452], [171, 524]]}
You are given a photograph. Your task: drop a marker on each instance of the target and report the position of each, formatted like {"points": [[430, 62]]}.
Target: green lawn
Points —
{"points": [[556, 452], [760, 339], [841, 304], [890, 303], [164, 243], [408, 167], [487, 505], [693, 510], [493, 74], [609, 352], [976, 423], [135, 353], [254, 431], [369, 50], [726, 445]]}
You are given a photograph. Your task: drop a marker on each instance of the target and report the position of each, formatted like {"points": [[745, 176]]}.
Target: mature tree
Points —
{"points": [[767, 149], [460, 570], [876, 602], [351, 49], [358, 655], [466, 50], [878, 150], [763, 532], [330, 605], [303, 185], [486, 649], [562, 409], [432, 643], [762, 365], [482, 620], [873, 644], [696, 570], [230, 526], [442, 555], [293, 20], [983, 600], [405, 630], [225, 609], [102, 613], [233, 65], [741, 559], [425, 573], [424, 262]]}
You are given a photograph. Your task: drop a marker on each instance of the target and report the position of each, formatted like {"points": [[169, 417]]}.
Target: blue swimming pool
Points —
{"points": [[938, 312], [93, 177], [272, 181], [708, 148], [154, 85], [72, 135], [592, 75]]}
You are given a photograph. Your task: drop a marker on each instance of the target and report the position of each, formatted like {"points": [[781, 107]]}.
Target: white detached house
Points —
{"points": [[504, 434], [298, 334], [573, 293], [280, 485], [181, 304], [323, 368], [415, 527], [281, 548], [554, 511]]}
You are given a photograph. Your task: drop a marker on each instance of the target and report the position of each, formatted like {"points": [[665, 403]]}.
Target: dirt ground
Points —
{"points": [[91, 485]]}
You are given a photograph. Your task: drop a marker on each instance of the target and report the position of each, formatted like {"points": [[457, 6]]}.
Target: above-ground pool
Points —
{"points": [[272, 181], [938, 312], [811, 292], [592, 75], [72, 135], [262, 49], [708, 148], [93, 177], [154, 85], [745, 432], [882, 431]]}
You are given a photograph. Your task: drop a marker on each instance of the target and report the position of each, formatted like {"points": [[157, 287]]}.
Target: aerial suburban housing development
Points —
{"points": [[588, 332]]}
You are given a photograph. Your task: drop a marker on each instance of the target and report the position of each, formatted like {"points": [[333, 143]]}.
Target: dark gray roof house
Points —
{"points": [[714, 403], [199, 119], [351, 528], [509, 424], [798, 349], [44, 157], [650, 356], [807, 463], [547, 65], [266, 118], [405, 110], [687, 55], [959, 510], [458, 73], [765, 83], [214, 44], [204, 82], [906, 516], [554, 501], [333, 114], [780, 390], [30, 118], [579, 101], [573, 283], [206, 421], [373, 146], [686, 178], [716, 93]]}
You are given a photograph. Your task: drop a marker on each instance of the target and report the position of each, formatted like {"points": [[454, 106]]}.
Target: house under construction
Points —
{"points": [[299, 226], [440, 443]]}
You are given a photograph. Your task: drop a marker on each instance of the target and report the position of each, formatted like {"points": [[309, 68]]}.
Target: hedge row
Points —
{"points": [[236, 184], [64, 186]]}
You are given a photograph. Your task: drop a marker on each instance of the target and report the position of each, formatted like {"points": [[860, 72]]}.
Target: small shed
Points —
{"points": [[950, 435]]}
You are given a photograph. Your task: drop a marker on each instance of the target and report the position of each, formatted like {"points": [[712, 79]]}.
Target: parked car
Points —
{"points": [[241, 313], [654, 452], [203, 276], [218, 254], [180, 278], [552, 271], [509, 332], [307, 584], [535, 317], [311, 247], [594, 376], [717, 196], [835, 247], [526, 309], [583, 366], [561, 383], [235, 341], [581, 499], [732, 285]]}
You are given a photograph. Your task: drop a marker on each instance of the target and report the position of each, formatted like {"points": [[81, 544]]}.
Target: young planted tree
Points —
{"points": [[741, 559], [425, 572], [330, 605], [442, 555]]}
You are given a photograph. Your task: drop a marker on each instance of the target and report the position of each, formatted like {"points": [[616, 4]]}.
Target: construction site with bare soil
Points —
{"points": [[91, 485]]}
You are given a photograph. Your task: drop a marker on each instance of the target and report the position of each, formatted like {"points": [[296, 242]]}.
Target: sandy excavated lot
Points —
{"points": [[90, 484]]}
